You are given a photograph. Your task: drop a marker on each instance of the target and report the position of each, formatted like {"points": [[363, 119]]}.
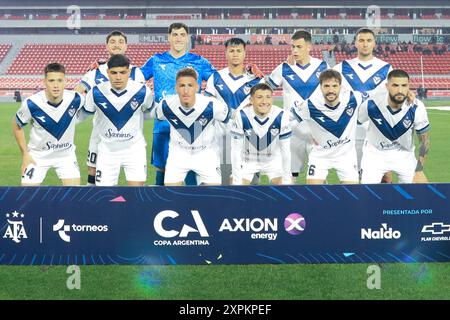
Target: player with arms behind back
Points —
{"points": [[261, 140], [120, 105], [116, 43], [52, 114], [193, 137], [389, 144]]}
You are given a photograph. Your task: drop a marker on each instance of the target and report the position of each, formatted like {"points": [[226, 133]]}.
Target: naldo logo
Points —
{"points": [[383, 233], [170, 217]]}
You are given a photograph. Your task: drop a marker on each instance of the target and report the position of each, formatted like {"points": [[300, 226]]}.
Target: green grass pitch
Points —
{"points": [[333, 281]]}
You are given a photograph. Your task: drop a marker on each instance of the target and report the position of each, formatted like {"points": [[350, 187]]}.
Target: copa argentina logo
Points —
{"points": [[383, 233], [15, 230], [178, 235], [64, 230]]}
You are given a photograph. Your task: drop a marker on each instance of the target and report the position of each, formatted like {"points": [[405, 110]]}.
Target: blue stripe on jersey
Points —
{"points": [[119, 118], [233, 100], [392, 133], [371, 83], [55, 128], [100, 77], [304, 89], [133, 73], [86, 85], [336, 128], [190, 134], [261, 143]]}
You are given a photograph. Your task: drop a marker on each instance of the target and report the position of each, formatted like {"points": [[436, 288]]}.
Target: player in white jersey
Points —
{"points": [[332, 117], [299, 82], [116, 43], [193, 137], [364, 73], [120, 105], [261, 140], [231, 86], [389, 144], [51, 113]]}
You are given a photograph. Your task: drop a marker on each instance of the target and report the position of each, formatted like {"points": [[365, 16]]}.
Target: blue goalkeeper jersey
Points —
{"points": [[163, 68]]}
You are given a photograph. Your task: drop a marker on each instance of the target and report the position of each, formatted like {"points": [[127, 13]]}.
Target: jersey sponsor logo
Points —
{"points": [[350, 75], [163, 66], [57, 146], [220, 86], [15, 230], [104, 105], [42, 118]]}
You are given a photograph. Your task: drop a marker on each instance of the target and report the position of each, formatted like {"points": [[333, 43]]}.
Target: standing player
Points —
{"points": [[261, 140], [389, 144], [364, 73], [332, 118], [51, 113], [193, 145], [231, 86], [163, 68], [116, 43], [120, 104], [299, 82]]}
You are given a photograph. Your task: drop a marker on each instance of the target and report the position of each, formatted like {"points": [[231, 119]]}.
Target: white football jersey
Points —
{"points": [[262, 135], [332, 128], [52, 126], [364, 76], [100, 75], [120, 114], [230, 90], [298, 82], [192, 129], [393, 130]]}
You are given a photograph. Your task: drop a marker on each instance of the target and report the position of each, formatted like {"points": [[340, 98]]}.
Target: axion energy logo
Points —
{"points": [[294, 224]]}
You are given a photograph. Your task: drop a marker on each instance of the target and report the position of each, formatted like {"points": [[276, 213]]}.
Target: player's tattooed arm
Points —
{"points": [[424, 146]]}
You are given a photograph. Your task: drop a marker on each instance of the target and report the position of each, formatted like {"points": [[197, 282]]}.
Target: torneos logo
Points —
{"points": [[185, 230], [294, 224]]}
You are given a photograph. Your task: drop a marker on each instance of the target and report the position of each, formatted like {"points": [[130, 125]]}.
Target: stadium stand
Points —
{"points": [[32, 59]]}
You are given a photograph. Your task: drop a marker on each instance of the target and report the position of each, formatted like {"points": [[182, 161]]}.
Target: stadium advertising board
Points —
{"points": [[225, 225]]}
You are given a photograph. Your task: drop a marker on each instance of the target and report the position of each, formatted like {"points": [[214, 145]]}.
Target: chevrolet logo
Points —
{"points": [[436, 228]]}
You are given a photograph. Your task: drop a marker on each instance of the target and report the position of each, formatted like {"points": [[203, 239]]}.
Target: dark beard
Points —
{"points": [[396, 101]]}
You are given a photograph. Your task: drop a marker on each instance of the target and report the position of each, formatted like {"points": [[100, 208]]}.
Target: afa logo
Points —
{"points": [[16, 230]]}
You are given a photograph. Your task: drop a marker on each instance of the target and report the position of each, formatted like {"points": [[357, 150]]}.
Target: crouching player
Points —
{"points": [[193, 145], [261, 140], [52, 114], [120, 105], [389, 144]]}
